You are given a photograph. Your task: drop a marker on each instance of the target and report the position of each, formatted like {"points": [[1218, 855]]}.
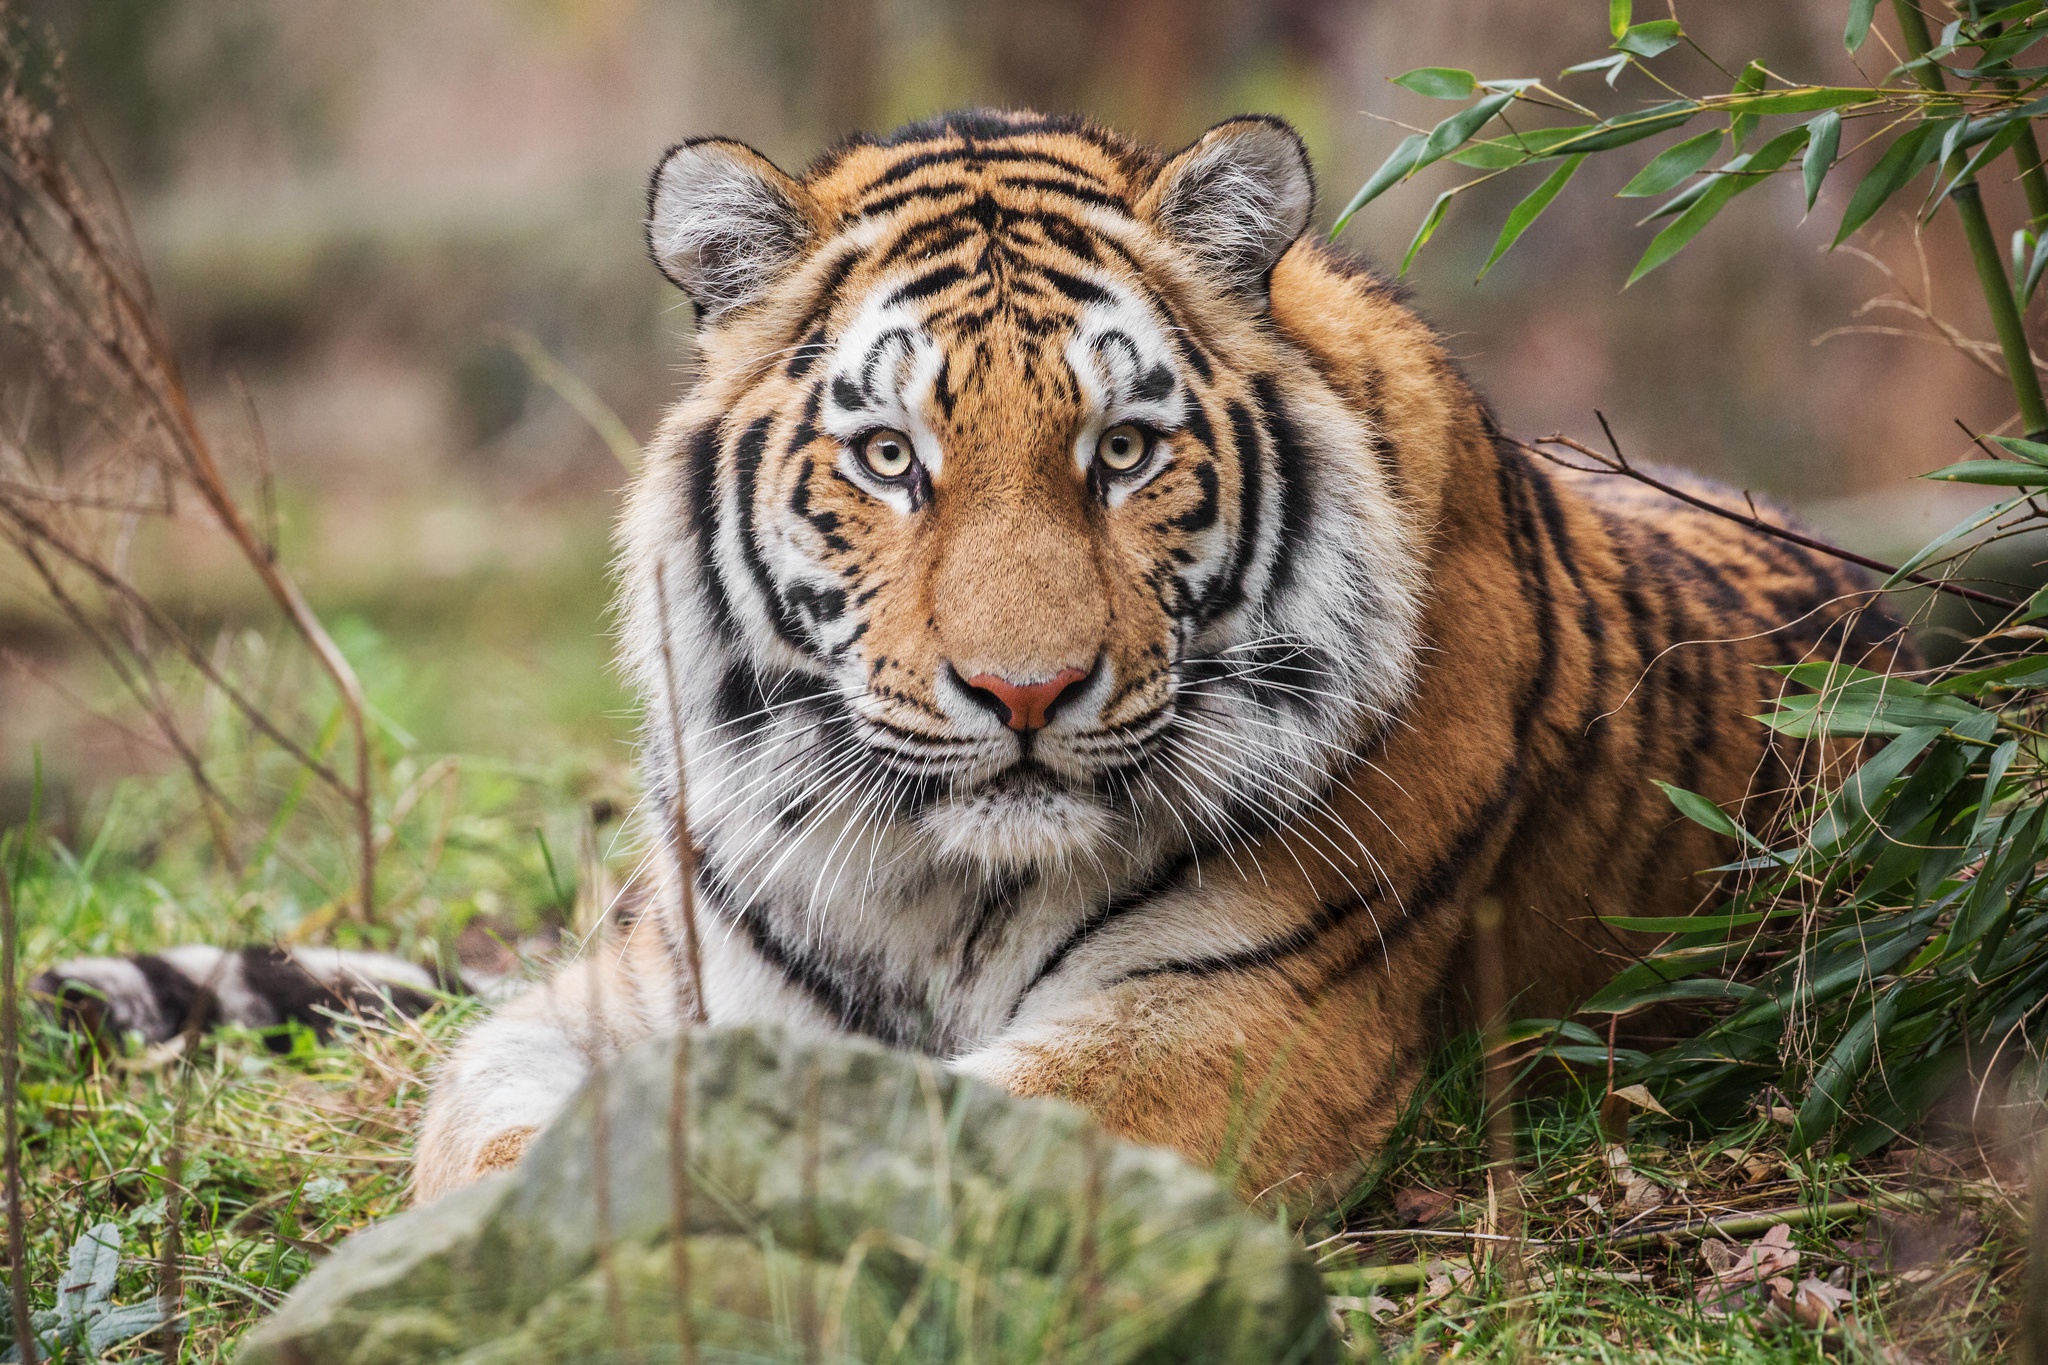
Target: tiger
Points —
{"points": [[1092, 633]]}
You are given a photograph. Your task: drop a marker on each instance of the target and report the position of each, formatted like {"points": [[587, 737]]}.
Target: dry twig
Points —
{"points": [[1617, 463], [102, 437]]}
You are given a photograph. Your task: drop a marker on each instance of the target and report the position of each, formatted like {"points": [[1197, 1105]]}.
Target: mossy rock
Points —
{"points": [[845, 1203]]}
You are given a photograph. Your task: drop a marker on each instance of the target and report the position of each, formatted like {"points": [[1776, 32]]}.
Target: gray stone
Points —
{"points": [[846, 1203]]}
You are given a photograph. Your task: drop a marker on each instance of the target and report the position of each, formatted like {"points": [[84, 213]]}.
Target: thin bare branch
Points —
{"points": [[1618, 464]]}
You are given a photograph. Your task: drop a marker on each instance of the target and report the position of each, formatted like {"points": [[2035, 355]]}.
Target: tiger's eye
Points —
{"points": [[887, 454], [1122, 448]]}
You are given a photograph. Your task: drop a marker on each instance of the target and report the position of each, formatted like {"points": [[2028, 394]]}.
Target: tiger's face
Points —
{"points": [[1001, 526]]}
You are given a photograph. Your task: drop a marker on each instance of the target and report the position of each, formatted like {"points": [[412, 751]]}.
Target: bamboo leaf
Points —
{"points": [[1688, 924], [1454, 131], [1750, 82], [1862, 711], [1905, 158], [1827, 1101], [1672, 165], [2026, 450], [1950, 536], [2033, 275], [1428, 228], [1701, 811], [1860, 13], [1400, 163], [2001, 473], [1856, 801], [1439, 82], [1804, 100], [1420, 149], [1530, 209], [1651, 39], [1618, 14], [1745, 172], [1823, 139]]}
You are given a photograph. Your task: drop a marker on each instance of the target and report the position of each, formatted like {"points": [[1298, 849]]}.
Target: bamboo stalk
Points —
{"points": [[1969, 202]]}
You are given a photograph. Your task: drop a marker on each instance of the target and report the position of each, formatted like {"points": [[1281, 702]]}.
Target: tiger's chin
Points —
{"points": [[1020, 821]]}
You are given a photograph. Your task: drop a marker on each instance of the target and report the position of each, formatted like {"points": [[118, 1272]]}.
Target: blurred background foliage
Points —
{"points": [[343, 205]]}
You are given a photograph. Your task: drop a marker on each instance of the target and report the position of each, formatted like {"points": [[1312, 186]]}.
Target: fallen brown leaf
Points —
{"points": [[1817, 1304], [1732, 1269]]}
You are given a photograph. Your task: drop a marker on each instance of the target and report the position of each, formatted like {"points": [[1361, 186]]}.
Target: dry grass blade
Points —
{"points": [[689, 1009], [10, 1076], [103, 440], [684, 849], [1504, 1196]]}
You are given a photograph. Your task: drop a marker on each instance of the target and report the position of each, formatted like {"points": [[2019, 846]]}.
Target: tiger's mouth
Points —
{"points": [[1022, 815], [1026, 777]]}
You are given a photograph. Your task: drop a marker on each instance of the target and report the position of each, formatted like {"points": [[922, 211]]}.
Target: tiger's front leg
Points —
{"points": [[515, 1071], [1286, 1076]]}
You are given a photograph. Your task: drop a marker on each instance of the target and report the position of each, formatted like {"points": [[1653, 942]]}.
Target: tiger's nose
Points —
{"points": [[1022, 706]]}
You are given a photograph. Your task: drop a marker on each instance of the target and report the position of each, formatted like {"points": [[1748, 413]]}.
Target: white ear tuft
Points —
{"points": [[1237, 198], [723, 222]]}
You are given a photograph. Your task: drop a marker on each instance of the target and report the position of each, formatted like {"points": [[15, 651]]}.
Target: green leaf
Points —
{"points": [[1750, 82], [2026, 450], [1905, 158], [1701, 811], [1400, 163], [1868, 707], [1744, 172], [2025, 9], [1439, 82], [1649, 40], [1828, 1099], [1455, 130], [1856, 800], [1998, 473], [1860, 12], [1428, 228], [2037, 607], [1947, 538], [1681, 201], [1618, 14], [1492, 154], [1823, 139], [1995, 147], [1623, 129], [1673, 165], [1419, 149], [2031, 280], [1688, 924], [1803, 100], [2031, 671], [1530, 209], [1997, 882]]}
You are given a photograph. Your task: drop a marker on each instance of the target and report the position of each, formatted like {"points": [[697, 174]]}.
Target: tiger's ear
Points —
{"points": [[1237, 198], [723, 222]]}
